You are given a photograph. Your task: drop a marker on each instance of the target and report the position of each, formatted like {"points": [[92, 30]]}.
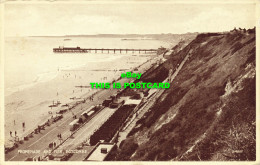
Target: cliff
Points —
{"points": [[209, 111]]}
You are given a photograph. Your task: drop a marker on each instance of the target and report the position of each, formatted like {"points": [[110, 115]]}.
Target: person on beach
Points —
{"points": [[60, 138], [11, 133], [15, 133], [14, 122], [39, 129]]}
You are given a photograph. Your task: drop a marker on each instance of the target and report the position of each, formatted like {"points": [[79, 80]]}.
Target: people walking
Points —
{"points": [[15, 133], [23, 124], [39, 129], [59, 136]]}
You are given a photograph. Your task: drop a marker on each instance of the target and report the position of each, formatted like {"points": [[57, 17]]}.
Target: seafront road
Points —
{"points": [[42, 140]]}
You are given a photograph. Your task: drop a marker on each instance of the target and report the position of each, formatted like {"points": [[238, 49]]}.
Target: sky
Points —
{"points": [[55, 19]]}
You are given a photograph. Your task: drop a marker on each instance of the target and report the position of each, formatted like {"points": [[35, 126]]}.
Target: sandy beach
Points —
{"points": [[35, 77], [31, 105]]}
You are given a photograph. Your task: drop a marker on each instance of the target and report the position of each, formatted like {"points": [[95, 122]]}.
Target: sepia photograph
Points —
{"points": [[150, 81]]}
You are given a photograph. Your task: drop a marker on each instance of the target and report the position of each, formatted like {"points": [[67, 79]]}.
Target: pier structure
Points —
{"points": [[100, 50], [69, 50]]}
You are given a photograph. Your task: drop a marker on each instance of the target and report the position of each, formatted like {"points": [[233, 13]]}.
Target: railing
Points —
{"points": [[102, 50]]}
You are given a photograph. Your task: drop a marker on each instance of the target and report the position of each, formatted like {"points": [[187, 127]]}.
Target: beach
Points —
{"points": [[28, 102]]}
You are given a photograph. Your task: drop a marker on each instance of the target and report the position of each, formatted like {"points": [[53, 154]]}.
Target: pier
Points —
{"points": [[100, 50]]}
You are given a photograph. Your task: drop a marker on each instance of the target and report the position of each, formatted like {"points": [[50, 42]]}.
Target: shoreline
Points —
{"points": [[46, 76], [87, 92]]}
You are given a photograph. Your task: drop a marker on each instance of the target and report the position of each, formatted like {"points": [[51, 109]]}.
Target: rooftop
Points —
{"points": [[97, 155]]}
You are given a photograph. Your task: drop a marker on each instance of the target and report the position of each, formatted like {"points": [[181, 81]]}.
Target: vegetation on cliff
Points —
{"points": [[209, 111]]}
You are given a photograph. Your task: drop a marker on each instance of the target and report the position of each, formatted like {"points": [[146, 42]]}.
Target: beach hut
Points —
{"points": [[90, 113], [74, 125], [84, 115]]}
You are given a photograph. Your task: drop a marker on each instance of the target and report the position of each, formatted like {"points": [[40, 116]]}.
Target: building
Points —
{"points": [[100, 152]]}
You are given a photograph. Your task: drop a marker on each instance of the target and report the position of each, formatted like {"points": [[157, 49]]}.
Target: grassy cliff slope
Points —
{"points": [[209, 111]]}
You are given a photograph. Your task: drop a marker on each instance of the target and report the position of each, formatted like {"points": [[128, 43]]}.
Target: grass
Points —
{"points": [[229, 137], [233, 136]]}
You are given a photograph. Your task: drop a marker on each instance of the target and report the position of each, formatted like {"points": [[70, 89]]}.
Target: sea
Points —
{"points": [[35, 77], [30, 60]]}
